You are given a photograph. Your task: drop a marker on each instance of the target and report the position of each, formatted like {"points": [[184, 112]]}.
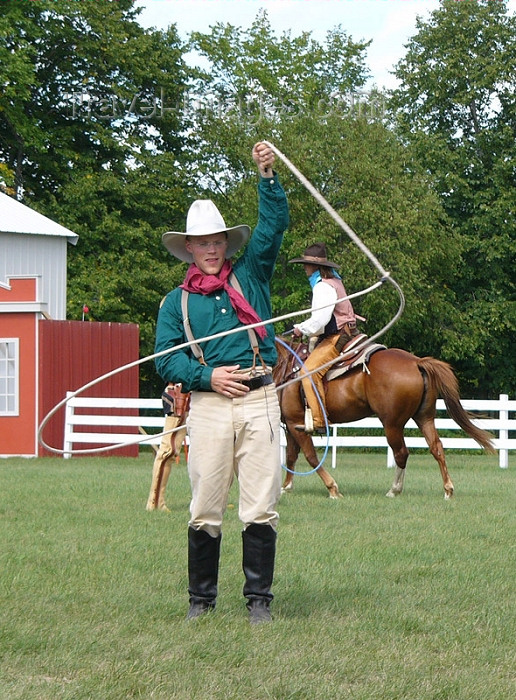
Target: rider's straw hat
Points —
{"points": [[315, 254], [203, 219]]}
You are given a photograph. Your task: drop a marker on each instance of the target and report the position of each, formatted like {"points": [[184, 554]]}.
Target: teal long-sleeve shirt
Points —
{"points": [[212, 313]]}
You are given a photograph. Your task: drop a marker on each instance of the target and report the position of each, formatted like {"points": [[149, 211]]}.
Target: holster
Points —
{"points": [[347, 333], [175, 402]]}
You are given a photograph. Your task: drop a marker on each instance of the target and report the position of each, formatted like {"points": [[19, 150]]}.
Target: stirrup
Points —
{"points": [[309, 420], [309, 427], [314, 431]]}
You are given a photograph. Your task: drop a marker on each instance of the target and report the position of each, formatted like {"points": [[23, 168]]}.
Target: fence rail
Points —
{"points": [[501, 425], [74, 420]]}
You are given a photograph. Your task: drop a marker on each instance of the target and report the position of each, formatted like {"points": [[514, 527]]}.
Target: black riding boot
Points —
{"points": [[259, 550], [203, 571]]}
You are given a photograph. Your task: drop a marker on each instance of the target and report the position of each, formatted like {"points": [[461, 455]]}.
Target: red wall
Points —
{"points": [[18, 433], [73, 353]]}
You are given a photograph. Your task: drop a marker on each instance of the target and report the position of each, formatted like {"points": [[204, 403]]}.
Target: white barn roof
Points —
{"points": [[16, 217]]}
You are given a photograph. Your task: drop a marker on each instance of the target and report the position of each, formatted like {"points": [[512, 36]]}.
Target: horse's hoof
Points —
{"points": [[286, 489], [392, 494]]}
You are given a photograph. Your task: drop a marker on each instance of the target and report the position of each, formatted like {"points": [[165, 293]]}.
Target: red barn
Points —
{"points": [[42, 355]]}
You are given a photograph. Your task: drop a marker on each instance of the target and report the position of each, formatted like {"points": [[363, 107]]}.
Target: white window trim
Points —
{"points": [[16, 410]]}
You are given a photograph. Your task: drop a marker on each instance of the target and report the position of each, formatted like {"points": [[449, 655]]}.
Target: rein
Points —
{"points": [[289, 363]]}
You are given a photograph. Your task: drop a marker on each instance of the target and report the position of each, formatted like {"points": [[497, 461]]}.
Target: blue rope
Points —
{"points": [[291, 471]]}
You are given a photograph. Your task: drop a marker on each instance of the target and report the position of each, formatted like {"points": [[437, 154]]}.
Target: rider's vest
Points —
{"points": [[343, 312]]}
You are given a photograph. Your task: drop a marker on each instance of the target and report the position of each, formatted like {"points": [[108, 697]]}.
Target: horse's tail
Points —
{"points": [[442, 377]]}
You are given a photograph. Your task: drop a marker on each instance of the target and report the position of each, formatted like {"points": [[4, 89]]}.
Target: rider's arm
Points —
{"points": [[323, 295]]}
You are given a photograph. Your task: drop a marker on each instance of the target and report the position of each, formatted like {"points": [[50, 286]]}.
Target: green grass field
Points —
{"points": [[376, 599]]}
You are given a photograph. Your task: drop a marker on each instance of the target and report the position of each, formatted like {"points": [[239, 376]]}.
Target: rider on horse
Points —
{"points": [[333, 323]]}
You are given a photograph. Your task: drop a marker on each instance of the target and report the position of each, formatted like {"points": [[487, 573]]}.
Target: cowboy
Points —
{"points": [[234, 419], [332, 319]]}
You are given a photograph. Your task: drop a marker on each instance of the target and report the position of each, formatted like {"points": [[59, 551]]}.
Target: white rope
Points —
{"points": [[385, 276], [338, 219], [142, 360]]}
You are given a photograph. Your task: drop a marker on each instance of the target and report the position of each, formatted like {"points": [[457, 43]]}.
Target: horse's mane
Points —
{"points": [[288, 364]]}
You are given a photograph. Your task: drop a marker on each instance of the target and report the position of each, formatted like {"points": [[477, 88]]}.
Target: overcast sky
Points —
{"points": [[389, 23]]}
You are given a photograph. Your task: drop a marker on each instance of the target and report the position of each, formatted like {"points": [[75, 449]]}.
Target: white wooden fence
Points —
{"points": [[501, 425], [97, 436]]}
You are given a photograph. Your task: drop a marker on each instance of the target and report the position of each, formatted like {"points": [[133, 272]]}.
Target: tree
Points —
{"points": [[83, 86], [456, 106], [114, 137], [307, 98], [90, 125]]}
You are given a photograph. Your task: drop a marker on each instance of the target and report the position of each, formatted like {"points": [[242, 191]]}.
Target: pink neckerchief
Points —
{"points": [[199, 283]]}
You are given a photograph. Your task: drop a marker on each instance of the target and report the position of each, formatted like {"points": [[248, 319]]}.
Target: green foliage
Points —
{"points": [[376, 187], [104, 128], [306, 99], [6, 180], [456, 106], [90, 117], [79, 79]]}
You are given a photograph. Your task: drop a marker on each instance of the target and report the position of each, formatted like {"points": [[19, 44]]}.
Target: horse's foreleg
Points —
{"points": [[160, 473], [397, 444], [169, 448], [437, 450], [329, 482], [304, 442], [397, 484]]}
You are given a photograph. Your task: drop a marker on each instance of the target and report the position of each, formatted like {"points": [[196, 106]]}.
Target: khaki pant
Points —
{"points": [[323, 353], [231, 437]]}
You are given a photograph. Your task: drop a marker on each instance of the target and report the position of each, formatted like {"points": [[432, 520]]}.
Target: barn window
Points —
{"points": [[9, 376]]}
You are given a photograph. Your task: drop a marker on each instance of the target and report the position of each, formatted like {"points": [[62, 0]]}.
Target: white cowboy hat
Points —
{"points": [[204, 219]]}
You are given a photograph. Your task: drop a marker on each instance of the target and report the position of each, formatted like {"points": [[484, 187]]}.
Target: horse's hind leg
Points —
{"points": [[436, 448], [397, 444]]}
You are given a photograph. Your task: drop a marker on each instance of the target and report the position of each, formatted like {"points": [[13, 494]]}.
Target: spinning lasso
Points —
{"points": [[384, 277], [142, 360], [327, 446]]}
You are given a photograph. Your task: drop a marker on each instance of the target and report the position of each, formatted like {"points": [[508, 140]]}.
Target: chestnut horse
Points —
{"points": [[397, 386]]}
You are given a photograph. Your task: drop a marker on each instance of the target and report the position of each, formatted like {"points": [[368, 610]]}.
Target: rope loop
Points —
{"points": [[384, 277]]}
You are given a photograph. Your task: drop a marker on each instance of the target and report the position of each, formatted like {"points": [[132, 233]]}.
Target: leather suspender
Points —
{"points": [[196, 348]]}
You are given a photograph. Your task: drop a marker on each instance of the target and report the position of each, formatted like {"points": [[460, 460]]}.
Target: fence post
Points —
{"points": [[68, 427], [390, 458], [504, 433]]}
